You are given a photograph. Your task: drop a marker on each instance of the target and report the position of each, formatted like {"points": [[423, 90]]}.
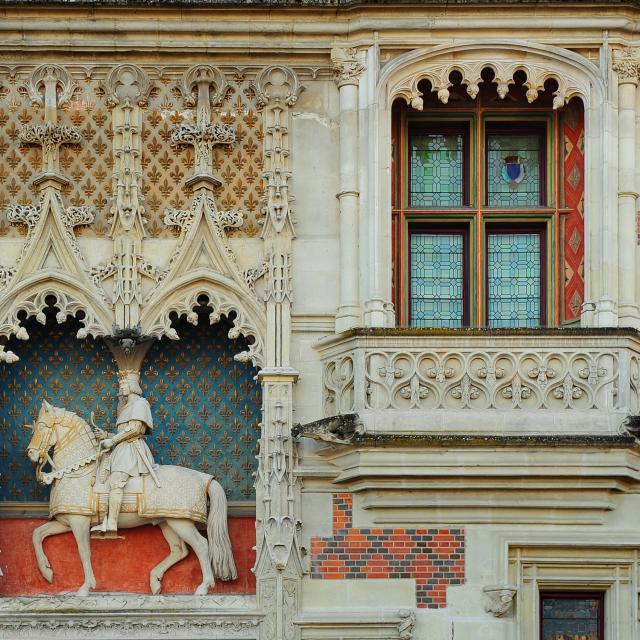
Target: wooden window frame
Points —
{"points": [[416, 127], [517, 128], [443, 228], [504, 228], [574, 595]]}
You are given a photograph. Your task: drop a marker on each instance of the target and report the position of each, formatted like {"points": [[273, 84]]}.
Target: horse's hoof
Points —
{"points": [[83, 591], [156, 585], [203, 589], [47, 573]]}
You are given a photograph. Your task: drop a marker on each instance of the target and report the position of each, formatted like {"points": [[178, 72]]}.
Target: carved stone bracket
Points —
{"points": [[498, 599]]}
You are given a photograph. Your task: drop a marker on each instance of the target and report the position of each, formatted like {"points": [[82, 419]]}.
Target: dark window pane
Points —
{"points": [[514, 279], [437, 279], [513, 170], [571, 618], [437, 170]]}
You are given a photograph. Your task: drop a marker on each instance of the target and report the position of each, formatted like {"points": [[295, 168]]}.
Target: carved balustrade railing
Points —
{"points": [[578, 380]]}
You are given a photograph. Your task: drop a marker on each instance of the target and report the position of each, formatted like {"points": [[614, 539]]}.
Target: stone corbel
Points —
{"points": [[498, 599]]}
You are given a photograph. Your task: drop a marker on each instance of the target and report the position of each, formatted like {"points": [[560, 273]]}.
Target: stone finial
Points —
{"points": [[348, 65], [498, 599]]}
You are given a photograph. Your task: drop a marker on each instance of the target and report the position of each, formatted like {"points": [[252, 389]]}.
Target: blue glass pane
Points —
{"points": [[513, 264], [571, 618], [436, 170], [437, 279], [513, 170]]}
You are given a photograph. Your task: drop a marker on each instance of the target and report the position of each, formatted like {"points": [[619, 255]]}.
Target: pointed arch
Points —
{"points": [[576, 77], [224, 297], [30, 297]]}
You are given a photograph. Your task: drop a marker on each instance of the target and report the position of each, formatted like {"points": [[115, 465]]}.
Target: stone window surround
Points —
{"points": [[600, 562]]}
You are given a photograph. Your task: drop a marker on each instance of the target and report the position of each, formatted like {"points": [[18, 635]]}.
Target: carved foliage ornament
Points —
{"points": [[626, 63], [348, 65], [498, 599], [127, 83], [209, 76]]}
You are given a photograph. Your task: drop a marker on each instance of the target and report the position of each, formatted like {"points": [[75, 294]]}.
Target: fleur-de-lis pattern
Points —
{"points": [[205, 404], [54, 365], [89, 166]]}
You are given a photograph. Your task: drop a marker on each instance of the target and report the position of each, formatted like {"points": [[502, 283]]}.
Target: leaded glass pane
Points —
{"points": [[437, 279], [436, 170], [513, 264], [513, 170], [571, 618]]}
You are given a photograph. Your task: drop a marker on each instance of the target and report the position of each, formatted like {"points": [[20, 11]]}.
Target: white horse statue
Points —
{"points": [[79, 499]]}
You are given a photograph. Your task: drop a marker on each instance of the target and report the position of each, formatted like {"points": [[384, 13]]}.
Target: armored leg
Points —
{"points": [[117, 480]]}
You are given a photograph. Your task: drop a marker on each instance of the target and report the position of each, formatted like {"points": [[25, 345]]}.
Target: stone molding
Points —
{"points": [[384, 624], [114, 616]]}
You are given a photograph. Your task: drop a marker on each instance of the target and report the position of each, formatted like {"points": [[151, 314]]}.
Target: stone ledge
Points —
{"points": [[125, 616]]}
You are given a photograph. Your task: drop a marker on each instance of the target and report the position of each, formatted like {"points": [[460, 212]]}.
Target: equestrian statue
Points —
{"points": [[112, 482]]}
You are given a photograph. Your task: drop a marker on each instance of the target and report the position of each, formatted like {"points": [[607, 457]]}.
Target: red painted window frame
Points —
{"points": [[501, 127], [442, 229], [441, 128], [504, 228]]}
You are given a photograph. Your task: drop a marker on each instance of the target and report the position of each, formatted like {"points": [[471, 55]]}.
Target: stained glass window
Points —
{"points": [[571, 618], [514, 279], [513, 170], [437, 169], [437, 279]]}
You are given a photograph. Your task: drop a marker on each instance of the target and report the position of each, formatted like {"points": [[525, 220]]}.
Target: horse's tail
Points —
{"points": [[220, 554]]}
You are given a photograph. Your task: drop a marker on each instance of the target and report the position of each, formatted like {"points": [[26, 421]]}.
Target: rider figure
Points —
{"points": [[130, 456]]}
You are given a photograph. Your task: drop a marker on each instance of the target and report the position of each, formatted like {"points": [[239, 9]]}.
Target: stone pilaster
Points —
{"points": [[279, 564]]}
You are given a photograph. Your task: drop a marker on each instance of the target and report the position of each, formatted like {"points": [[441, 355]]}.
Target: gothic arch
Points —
{"points": [[576, 77], [30, 296], [182, 298]]}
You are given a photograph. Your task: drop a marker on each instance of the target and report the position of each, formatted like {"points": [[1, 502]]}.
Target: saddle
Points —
{"points": [[133, 491]]}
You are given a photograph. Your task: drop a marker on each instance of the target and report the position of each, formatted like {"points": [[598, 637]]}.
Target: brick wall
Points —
{"points": [[433, 557]]}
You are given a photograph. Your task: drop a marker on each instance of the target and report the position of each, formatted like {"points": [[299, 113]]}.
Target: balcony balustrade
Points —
{"points": [[527, 381]]}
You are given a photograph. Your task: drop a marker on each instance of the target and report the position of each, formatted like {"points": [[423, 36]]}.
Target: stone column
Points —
{"points": [[627, 66], [348, 66]]}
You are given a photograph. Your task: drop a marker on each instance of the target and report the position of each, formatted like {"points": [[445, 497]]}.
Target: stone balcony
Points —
{"points": [[506, 382]]}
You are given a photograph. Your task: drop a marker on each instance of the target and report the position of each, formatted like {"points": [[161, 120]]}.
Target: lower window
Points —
{"points": [[571, 616], [515, 277]]}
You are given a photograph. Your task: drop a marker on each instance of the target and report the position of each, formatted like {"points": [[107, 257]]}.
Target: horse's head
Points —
{"points": [[44, 433]]}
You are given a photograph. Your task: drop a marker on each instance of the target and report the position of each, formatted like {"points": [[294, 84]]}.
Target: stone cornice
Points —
{"points": [[305, 4]]}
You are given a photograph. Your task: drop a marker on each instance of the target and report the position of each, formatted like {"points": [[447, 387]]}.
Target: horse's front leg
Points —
{"points": [[80, 527], [51, 528]]}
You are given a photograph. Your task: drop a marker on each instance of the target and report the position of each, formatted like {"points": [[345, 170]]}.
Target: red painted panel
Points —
{"points": [[119, 565]]}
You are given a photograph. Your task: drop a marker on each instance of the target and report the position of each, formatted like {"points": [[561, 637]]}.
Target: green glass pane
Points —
{"points": [[437, 280], [513, 171], [436, 171], [513, 265], [571, 618]]}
